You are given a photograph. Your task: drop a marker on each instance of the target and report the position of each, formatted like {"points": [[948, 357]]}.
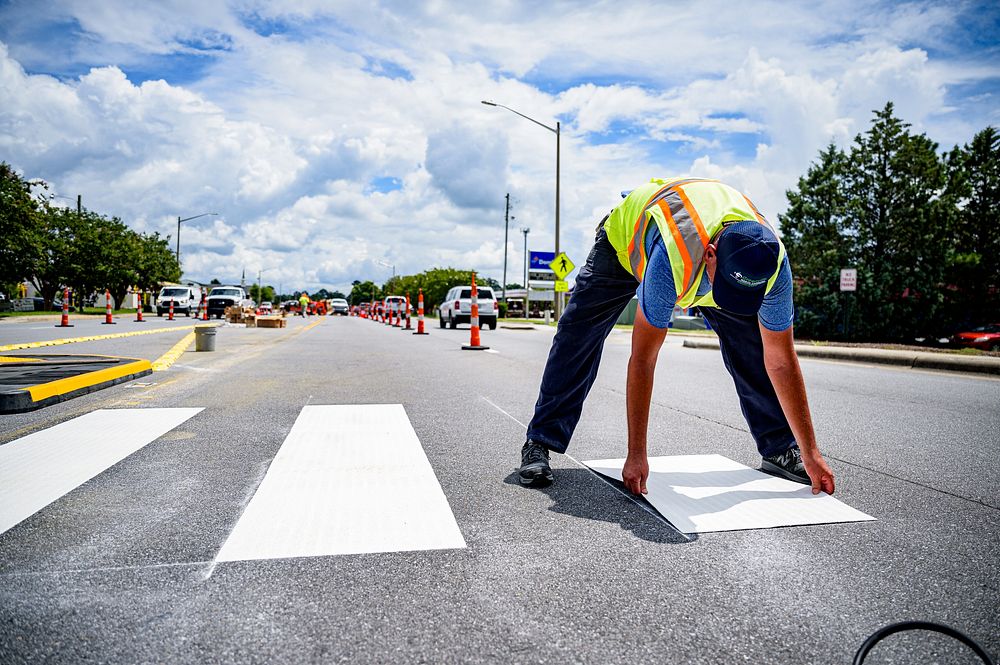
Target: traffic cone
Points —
{"points": [[170, 314], [420, 313], [408, 327], [474, 344], [107, 309], [204, 307], [138, 311], [65, 312]]}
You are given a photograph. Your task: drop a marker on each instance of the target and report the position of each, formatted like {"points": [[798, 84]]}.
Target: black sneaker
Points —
{"points": [[787, 465], [535, 470]]}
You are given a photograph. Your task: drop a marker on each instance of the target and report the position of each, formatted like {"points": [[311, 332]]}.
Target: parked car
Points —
{"points": [[222, 297], [266, 307], [185, 299], [339, 306], [985, 337], [457, 307]]}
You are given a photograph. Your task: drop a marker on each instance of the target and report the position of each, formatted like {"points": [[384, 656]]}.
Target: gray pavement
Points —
{"points": [[121, 569]]}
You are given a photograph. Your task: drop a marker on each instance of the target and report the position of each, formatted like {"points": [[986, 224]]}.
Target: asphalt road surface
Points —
{"points": [[125, 566]]}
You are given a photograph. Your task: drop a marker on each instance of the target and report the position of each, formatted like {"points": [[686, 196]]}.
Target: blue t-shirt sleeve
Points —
{"points": [[777, 312], [656, 291]]}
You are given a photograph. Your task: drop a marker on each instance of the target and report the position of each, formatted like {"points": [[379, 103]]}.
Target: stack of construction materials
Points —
{"points": [[274, 321]]}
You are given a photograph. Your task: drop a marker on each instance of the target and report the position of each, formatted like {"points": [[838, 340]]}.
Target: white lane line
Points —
{"points": [[39, 468], [349, 479]]}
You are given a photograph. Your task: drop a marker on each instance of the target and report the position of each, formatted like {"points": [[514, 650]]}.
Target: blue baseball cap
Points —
{"points": [[747, 254]]}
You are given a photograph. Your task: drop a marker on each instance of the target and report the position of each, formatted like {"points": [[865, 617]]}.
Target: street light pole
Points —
{"points": [[527, 294], [187, 219], [557, 130], [506, 226]]}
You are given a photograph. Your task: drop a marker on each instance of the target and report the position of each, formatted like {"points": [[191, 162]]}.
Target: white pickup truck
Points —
{"points": [[222, 297]]}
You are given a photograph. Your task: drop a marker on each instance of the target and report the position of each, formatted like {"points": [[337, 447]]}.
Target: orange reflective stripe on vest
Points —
{"points": [[683, 220]]}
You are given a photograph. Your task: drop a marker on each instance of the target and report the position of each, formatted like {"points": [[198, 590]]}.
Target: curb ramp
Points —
{"points": [[33, 381]]}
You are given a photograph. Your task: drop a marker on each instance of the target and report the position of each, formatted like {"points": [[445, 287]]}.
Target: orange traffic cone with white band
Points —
{"points": [[138, 310], [107, 309], [420, 313], [65, 312], [204, 306], [474, 344], [170, 313], [407, 327]]}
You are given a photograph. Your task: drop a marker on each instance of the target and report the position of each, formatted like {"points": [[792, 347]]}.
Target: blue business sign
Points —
{"points": [[541, 260]]}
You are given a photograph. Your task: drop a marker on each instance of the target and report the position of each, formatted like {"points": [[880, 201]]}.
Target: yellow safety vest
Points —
{"points": [[689, 213]]}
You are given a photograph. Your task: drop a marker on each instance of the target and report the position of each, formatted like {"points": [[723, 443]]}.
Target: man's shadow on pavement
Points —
{"points": [[582, 493]]}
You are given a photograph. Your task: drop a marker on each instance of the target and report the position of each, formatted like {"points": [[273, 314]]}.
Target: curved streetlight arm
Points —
{"points": [[187, 219], [204, 214], [551, 129]]}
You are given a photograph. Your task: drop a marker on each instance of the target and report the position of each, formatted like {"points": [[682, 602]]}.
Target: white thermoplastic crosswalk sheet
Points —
{"points": [[348, 479], [37, 469], [702, 493]]}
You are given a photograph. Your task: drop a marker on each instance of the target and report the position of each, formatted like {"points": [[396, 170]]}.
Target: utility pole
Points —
{"points": [[506, 225], [79, 205], [527, 293]]}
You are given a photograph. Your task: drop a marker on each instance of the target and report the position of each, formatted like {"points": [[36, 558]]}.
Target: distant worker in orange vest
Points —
{"points": [[682, 242]]}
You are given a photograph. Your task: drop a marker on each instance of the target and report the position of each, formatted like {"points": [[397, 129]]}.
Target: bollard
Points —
{"points": [[474, 343], [204, 338], [107, 309], [65, 311], [420, 313], [138, 312], [408, 327]]}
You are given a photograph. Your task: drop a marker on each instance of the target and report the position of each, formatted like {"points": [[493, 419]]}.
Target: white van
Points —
{"points": [[185, 299], [457, 307]]}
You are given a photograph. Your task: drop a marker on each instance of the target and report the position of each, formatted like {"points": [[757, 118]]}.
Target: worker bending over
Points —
{"points": [[686, 242]]}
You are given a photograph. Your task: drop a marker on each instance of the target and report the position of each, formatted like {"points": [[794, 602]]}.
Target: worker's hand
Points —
{"points": [[819, 472], [634, 474]]}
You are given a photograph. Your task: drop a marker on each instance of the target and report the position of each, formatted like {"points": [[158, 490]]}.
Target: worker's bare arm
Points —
{"points": [[782, 365], [646, 342]]}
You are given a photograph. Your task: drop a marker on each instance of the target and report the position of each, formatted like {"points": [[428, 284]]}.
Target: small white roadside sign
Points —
{"points": [[848, 279]]}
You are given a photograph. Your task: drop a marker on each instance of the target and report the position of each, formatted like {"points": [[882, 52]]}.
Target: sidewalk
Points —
{"points": [[915, 359]]}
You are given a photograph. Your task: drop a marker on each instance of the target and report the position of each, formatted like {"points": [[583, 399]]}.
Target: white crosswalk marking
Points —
{"points": [[348, 479], [37, 469]]}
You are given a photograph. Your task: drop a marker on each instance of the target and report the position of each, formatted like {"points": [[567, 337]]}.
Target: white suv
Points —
{"points": [[457, 307], [395, 306], [185, 298]]}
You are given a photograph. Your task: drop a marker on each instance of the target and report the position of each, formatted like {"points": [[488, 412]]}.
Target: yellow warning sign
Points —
{"points": [[561, 286], [561, 266]]}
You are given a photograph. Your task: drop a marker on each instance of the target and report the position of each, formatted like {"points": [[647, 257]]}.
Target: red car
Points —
{"points": [[985, 337]]}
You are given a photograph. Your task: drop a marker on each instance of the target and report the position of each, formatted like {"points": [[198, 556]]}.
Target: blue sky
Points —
{"points": [[333, 137]]}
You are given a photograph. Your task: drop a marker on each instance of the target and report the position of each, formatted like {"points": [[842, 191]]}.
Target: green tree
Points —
{"points": [[155, 262], [974, 276], [265, 293], [20, 241], [363, 292], [818, 248], [902, 228]]}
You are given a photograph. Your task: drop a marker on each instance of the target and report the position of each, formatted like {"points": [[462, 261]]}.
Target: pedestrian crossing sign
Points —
{"points": [[561, 286], [561, 266]]}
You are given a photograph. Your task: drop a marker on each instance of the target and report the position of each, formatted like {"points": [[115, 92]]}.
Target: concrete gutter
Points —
{"points": [[915, 359]]}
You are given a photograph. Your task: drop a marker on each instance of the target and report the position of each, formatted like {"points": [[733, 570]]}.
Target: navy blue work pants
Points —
{"points": [[603, 290]]}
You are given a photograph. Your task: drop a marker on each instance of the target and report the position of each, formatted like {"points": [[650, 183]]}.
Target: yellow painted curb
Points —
{"points": [[15, 359], [94, 338], [171, 356], [69, 384]]}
